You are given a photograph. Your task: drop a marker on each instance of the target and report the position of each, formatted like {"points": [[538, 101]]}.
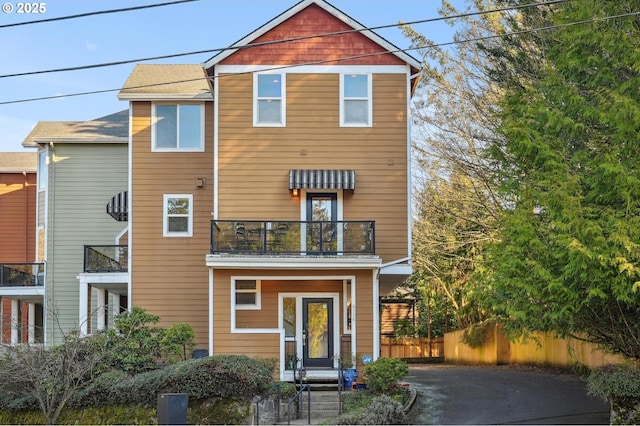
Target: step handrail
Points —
{"points": [[306, 387], [265, 396]]}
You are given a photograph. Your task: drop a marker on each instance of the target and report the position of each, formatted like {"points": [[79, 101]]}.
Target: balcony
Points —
{"points": [[105, 259], [292, 238], [21, 274]]}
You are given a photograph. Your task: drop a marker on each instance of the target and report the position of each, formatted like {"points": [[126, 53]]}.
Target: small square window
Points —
{"points": [[178, 215], [246, 294]]}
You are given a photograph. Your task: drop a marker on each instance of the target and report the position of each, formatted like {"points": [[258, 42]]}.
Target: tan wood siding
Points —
{"points": [[254, 161], [169, 276], [226, 342]]}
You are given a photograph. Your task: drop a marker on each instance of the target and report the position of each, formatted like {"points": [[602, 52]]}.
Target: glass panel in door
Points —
{"points": [[317, 332], [322, 211]]}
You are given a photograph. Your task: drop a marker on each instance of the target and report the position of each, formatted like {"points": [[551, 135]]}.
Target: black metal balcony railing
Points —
{"points": [[106, 258], [255, 237], [21, 274]]}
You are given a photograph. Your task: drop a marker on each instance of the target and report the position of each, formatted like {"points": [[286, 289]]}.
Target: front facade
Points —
{"points": [[21, 283], [269, 190]]}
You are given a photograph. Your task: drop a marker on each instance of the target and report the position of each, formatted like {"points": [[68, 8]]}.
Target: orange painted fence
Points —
{"points": [[416, 347]]}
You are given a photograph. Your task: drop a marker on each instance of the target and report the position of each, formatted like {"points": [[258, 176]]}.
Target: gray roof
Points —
{"points": [[17, 162], [182, 80], [110, 128]]}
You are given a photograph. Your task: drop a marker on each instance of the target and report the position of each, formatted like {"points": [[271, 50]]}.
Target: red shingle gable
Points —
{"points": [[312, 20]]}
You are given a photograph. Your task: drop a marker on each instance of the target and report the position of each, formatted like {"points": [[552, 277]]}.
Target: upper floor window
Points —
{"points": [[178, 127], [355, 102], [269, 100], [178, 215]]}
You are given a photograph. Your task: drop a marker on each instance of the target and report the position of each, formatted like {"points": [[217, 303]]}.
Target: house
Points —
{"points": [[81, 233], [269, 200], [20, 273]]}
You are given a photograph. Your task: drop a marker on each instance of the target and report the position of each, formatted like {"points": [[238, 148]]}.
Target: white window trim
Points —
{"points": [[368, 98], [154, 148], [282, 98], [165, 216], [258, 291]]}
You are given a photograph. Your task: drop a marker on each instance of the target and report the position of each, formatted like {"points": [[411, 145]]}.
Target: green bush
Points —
{"points": [[368, 408], [222, 376], [383, 410], [620, 386], [135, 343], [383, 374], [177, 342]]}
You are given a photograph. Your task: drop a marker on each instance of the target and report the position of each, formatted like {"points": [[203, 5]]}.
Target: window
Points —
{"points": [[43, 172], [356, 100], [178, 127], [269, 107], [247, 294], [178, 215]]}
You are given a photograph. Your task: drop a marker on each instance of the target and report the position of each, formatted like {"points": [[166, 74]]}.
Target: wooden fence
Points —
{"points": [[407, 347]]}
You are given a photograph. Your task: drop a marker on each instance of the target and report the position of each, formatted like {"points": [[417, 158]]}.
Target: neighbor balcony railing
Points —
{"points": [[21, 274], [106, 258], [254, 237]]}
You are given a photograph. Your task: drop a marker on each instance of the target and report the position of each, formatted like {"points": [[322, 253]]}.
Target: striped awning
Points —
{"points": [[322, 179], [117, 207]]}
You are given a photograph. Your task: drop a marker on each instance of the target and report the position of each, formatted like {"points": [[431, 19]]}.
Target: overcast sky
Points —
{"points": [[167, 30]]}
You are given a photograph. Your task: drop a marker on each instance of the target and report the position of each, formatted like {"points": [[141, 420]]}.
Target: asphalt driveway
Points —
{"points": [[501, 395]]}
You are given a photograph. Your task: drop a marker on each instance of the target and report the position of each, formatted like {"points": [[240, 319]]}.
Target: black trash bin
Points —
{"points": [[172, 408]]}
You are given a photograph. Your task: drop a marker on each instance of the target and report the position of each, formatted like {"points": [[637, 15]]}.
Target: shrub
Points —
{"points": [[383, 374], [367, 408], [177, 342], [135, 343], [620, 387], [383, 410]]}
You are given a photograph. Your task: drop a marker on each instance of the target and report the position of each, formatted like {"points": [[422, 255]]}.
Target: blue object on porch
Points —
{"points": [[367, 359], [349, 377]]}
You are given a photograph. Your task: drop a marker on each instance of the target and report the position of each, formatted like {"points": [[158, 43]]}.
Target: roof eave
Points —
{"points": [[62, 139], [165, 96]]}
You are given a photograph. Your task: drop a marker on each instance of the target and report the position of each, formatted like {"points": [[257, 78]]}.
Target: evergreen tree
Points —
{"points": [[568, 259]]}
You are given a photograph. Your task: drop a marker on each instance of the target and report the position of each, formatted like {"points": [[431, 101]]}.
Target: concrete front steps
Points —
{"points": [[324, 405]]}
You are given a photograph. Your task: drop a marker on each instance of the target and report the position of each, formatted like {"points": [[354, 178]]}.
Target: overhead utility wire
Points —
{"points": [[100, 12], [272, 42], [94, 92]]}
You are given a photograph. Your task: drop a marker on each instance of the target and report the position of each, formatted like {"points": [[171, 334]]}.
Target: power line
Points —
{"points": [[100, 12], [338, 59], [247, 46]]}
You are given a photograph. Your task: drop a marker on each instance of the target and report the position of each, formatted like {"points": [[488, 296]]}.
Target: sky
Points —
{"points": [[134, 35]]}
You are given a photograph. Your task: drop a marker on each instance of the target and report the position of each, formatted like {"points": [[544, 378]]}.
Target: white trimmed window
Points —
{"points": [[269, 99], [178, 215], [355, 100], [178, 127], [246, 294]]}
